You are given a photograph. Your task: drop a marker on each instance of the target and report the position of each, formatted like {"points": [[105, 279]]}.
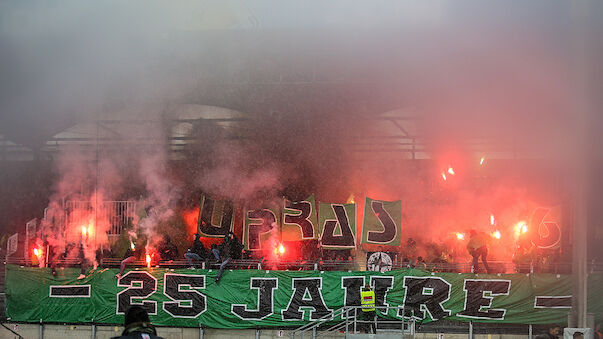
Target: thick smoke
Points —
{"points": [[484, 80]]}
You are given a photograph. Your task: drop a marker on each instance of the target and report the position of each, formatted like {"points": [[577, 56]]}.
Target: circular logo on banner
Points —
{"points": [[379, 262]]}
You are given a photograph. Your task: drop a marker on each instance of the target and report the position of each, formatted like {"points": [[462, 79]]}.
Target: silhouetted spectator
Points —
{"points": [[553, 332], [83, 262], [232, 251], [137, 325], [167, 250], [215, 250], [421, 263], [367, 303], [129, 257], [196, 252], [478, 247], [50, 257]]}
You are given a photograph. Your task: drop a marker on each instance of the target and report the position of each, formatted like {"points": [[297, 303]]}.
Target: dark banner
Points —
{"points": [[261, 228], [216, 217], [257, 298]]}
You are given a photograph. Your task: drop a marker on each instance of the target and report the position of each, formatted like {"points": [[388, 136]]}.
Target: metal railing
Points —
{"points": [[496, 267], [116, 213], [346, 320]]}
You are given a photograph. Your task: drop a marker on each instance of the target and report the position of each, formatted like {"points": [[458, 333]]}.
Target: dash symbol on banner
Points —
{"points": [[71, 291], [563, 301]]}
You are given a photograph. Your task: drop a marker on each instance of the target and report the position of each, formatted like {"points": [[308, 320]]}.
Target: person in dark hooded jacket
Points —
{"points": [[196, 252], [137, 325], [232, 248], [167, 250]]}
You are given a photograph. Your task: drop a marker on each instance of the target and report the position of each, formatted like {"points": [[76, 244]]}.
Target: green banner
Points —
{"points": [[382, 222], [258, 298], [337, 225], [300, 220]]}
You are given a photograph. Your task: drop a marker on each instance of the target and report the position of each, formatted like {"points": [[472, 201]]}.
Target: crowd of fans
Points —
{"points": [[131, 248]]}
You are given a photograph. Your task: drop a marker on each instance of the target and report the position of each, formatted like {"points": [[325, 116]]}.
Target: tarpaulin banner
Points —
{"points": [[382, 222], [337, 225], [300, 220], [258, 298], [216, 217], [260, 227]]}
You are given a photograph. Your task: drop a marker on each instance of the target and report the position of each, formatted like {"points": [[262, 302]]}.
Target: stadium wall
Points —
{"points": [[106, 332]]}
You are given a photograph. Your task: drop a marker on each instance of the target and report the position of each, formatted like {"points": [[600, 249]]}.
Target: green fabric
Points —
{"points": [[293, 232], [326, 213], [374, 223], [28, 300]]}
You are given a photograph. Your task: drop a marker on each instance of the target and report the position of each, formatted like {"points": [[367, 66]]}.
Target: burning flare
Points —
{"points": [[444, 176], [496, 234], [521, 228], [351, 199], [84, 231], [450, 170], [280, 249], [492, 219], [481, 161], [132, 245], [148, 259], [37, 252], [460, 236]]}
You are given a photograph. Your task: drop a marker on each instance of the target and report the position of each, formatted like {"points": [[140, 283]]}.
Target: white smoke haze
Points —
{"points": [[161, 194], [240, 178]]}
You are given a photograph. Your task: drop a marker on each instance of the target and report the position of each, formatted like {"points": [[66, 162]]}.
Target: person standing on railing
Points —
{"points": [[51, 261], [478, 247], [367, 303], [132, 252], [83, 262]]}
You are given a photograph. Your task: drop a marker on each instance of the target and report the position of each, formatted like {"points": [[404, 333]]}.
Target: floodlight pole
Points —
{"points": [[581, 65]]}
